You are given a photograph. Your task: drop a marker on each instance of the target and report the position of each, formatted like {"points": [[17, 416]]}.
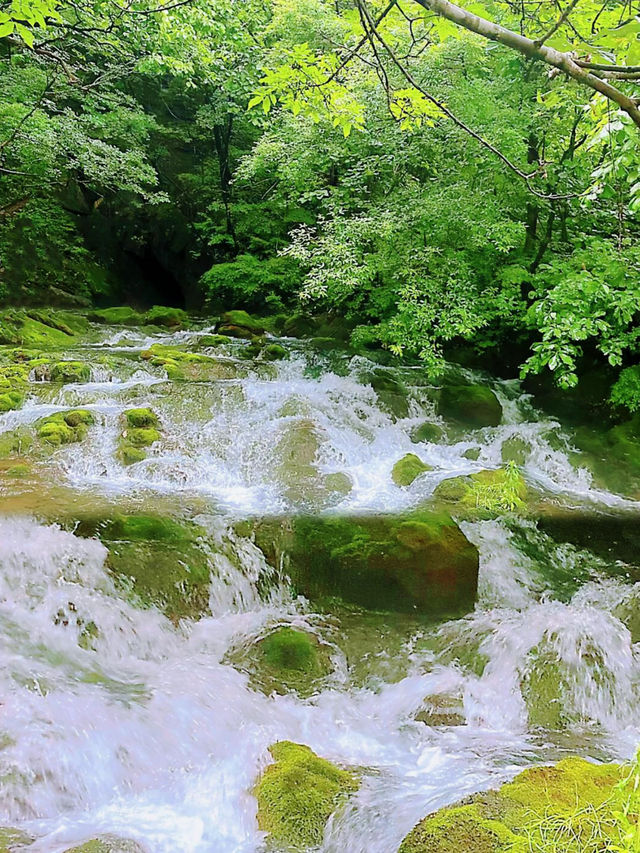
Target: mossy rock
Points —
{"points": [[157, 560], [240, 324], [407, 469], [13, 840], [427, 432], [417, 562], [70, 372], [613, 455], [143, 417], [64, 427], [120, 316], [140, 431], [298, 794], [212, 340], [391, 392], [288, 659], [472, 405], [274, 352], [172, 318], [512, 819], [108, 844], [14, 384], [299, 325], [486, 493], [183, 365]]}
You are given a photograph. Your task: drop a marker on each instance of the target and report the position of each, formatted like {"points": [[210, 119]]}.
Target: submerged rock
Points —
{"points": [[514, 817], [407, 469], [613, 455], [391, 392], [473, 405], [298, 794], [108, 844], [417, 562], [286, 659], [13, 840], [157, 560], [427, 432]]}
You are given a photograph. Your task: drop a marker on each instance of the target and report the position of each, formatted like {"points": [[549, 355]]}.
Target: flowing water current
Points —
{"points": [[150, 732]]}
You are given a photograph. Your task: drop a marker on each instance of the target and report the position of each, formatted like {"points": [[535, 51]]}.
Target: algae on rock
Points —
{"points": [[298, 794], [108, 844]]}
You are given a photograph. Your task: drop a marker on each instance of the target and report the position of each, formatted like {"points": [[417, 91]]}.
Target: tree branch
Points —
{"points": [[563, 61]]}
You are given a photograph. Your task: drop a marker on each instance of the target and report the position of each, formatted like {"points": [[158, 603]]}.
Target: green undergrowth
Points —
{"points": [[486, 493], [298, 794]]}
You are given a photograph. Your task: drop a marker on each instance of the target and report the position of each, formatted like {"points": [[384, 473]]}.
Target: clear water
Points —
{"points": [[152, 734]]}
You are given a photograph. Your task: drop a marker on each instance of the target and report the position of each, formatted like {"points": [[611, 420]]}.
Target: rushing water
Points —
{"points": [[149, 732]]}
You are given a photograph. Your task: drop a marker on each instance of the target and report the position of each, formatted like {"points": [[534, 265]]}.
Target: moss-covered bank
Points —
{"points": [[564, 800]]}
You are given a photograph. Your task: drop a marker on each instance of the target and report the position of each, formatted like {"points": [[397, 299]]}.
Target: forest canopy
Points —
{"points": [[437, 174]]}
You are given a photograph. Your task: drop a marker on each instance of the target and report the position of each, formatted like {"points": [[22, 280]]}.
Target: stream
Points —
{"points": [[119, 717]]}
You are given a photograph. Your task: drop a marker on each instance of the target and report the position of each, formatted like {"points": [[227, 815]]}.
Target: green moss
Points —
{"points": [[405, 471], [419, 562], [14, 384], [143, 436], [64, 427], [107, 844], [513, 819], [298, 794], [289, 648], [274, 352], [141, 418], [120, 316], [613, 455], [70, 371], [473, 405], [13, 839], [427, 432], [18, 471], [173, 318]]}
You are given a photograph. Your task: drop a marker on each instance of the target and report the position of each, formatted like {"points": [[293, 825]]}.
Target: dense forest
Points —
{"points": [[319, 426], [442, 177]]}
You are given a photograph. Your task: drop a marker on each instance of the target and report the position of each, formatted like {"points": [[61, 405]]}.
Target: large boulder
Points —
{"points": [[472, 405], [416, 562], [539, 804], [298, 793]]}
